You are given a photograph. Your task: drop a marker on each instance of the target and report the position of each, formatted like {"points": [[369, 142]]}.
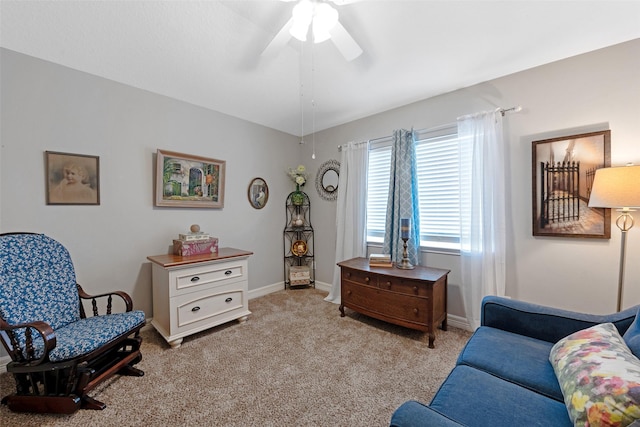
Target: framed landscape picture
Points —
{"points": [[72, 179], [189, 181], [563, 172]]}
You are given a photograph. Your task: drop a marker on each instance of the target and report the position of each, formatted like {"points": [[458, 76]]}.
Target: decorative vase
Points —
{"points": [[297, 198]]}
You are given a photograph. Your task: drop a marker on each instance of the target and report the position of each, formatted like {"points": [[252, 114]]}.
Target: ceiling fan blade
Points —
{"points": [[279, 41], [340, 2], [345, 43]]}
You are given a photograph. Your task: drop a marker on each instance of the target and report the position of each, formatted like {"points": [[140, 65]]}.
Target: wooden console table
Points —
{"points": [[415, 299]]}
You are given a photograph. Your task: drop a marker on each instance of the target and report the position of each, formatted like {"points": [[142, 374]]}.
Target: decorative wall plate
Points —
{"points": [[299, 248]]}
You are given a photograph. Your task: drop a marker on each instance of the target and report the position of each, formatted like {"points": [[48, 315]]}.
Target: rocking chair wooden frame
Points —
{"points": [[63, 387]]}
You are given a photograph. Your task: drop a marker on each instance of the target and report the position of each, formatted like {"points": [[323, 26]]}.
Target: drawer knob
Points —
{"points": [[415, 289], [348, 274], [228, 299], [415, 310], [196, 308], [348, 292], [366, 279], [195, 279], [228, 272], [388, 284]]}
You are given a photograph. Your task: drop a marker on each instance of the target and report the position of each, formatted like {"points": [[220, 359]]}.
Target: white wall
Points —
{"points": [[49, 107], [598, 90]]}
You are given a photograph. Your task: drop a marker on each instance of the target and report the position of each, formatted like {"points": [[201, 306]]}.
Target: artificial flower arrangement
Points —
{"points": [[298, 175]]}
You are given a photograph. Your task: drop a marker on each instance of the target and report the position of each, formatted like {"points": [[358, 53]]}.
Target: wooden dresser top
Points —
{"points": [[418, 273], [170, 260]]}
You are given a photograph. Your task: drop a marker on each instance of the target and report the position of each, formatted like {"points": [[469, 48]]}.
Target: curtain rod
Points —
{"points": [[357, 143], [515, 109], [502, 111]]}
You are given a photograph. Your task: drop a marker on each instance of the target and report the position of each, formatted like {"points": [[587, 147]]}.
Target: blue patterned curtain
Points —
{"points": [[403, 198]]}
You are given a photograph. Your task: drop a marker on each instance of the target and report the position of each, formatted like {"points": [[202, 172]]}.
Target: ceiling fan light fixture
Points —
{"points": [[321, 17], [302, 16], [324, 19]]}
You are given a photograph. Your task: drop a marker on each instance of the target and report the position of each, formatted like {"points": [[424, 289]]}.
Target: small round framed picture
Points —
{"points": [[258, 193]]}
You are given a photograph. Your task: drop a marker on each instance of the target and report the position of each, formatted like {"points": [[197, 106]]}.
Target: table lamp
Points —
{"points": [[618, 188]]}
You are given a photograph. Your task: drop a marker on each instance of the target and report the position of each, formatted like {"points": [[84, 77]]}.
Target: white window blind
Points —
{"points": [[378, 189], [438, 188]]}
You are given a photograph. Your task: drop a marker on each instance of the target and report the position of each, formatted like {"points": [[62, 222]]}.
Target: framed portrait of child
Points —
{"points": [[72, 179]]}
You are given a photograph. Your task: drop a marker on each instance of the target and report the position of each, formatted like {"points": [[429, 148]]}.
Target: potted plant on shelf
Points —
{"points": [[299, 177]]}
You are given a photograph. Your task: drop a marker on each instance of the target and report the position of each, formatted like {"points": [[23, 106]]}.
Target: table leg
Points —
{"points": [[341, 310]]}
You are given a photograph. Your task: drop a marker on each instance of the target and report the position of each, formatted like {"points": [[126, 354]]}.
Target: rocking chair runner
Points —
{"points": [[59, 354]]}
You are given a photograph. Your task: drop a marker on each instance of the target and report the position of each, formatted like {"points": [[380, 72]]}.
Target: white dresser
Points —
{"points": [[194, 293]]}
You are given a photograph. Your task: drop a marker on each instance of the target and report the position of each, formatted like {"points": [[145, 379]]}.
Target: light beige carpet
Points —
{"points": [[295, 362]]}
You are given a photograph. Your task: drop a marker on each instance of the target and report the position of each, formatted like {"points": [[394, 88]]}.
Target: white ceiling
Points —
{"points": [[208, 52]]}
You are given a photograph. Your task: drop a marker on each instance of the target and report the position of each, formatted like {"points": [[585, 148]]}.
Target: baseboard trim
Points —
{"points": [[458, 322], [266, 290], [269, 289]]}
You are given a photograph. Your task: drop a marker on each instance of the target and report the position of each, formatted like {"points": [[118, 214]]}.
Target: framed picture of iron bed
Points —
{"points": [[563, 171]]}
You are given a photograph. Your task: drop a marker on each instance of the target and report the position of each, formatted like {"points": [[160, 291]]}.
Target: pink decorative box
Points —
{"points": [[195, 247]]}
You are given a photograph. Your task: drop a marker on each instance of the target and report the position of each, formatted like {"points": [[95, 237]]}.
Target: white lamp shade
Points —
{"points": [[617, 187]]}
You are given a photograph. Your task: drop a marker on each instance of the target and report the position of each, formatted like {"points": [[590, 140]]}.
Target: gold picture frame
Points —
{"points": [[188, 181]]}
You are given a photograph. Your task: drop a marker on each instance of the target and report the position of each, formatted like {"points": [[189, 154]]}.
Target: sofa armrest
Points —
{"points": [[416, 414], [545, 323]]}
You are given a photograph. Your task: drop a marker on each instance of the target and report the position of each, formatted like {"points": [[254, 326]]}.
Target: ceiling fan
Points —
{"points": [[321, 20]]}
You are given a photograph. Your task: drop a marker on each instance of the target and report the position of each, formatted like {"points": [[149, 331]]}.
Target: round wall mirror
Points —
{"points": [[327, 180]]}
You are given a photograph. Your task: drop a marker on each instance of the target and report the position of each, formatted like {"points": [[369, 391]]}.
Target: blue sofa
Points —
{"points": [[503, 376]]}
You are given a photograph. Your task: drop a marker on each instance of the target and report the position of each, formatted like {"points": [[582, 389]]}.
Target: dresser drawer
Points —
{"points": [[353, 294], [406, 308], [201, 307], [197, 278], [358, 276], [401, 309], [404, 286]]}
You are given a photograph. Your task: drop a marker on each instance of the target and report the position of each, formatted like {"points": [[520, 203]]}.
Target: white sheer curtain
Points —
{"points": [[351, 212], [482, 208]]}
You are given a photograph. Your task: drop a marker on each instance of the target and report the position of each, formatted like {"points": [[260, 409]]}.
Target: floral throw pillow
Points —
{"points": [[599, 377]]}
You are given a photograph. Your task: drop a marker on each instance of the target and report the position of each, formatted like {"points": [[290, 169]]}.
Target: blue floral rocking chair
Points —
{"points": [[58, 353]]}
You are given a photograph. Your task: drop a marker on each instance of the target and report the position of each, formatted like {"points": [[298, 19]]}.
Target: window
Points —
{"points": [[438, 188]]}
